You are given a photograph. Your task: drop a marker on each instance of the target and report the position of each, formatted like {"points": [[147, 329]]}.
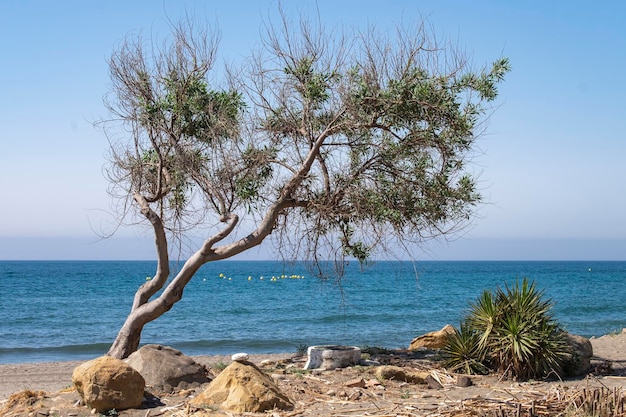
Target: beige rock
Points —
{"points": [[433, 340], [372, 383], [242, 387], [398, 373], [106, 383], [355, 382]]}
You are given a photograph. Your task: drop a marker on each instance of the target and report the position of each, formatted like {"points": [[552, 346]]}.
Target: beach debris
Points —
{"points": [[241, 388], [240, 357], [166, 369], [107, 383], [332, 357], [432, 340], [601, 402], [25, 401]]}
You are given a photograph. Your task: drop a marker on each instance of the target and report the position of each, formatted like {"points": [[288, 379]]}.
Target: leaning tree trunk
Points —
{"points": [[144, 311], [129, 336]]}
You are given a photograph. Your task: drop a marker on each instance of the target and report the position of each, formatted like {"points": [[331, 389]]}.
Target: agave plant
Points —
{"points": [[483, 315], [514, 332], [464, 353]]}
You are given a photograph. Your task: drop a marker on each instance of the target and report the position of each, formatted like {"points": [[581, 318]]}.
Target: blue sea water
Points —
{"points": [[72, 310]]}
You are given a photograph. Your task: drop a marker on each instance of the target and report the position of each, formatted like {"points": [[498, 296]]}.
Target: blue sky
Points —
{"points": [[551, 162]]}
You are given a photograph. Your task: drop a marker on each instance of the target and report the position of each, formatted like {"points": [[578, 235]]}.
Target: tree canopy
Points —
{"points": [[331, 145]]}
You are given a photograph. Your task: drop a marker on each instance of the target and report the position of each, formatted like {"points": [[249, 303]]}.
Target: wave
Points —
{"points": [[230, 346], [52, 353]]}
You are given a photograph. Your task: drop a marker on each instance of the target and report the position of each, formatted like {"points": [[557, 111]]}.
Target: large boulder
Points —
{"points": [[166, 369], [433, 340], [106, 383], [243, 388], [578, 361]]}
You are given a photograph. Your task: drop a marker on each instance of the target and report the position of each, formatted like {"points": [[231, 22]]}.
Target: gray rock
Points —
{"points": [[433, 383], [332, 357], [464, 381], [578, 361], [166, 369]]}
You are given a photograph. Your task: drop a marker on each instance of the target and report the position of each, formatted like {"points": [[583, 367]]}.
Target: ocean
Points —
{"points": [[72, 310]]}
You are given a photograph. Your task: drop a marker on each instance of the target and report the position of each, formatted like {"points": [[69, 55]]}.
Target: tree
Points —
{"points": [[335, 146]]}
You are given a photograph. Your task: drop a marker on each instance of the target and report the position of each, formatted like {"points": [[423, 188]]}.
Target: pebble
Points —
{"points": [[373, 383], [240, 357], [464, 381], [355, 382]]}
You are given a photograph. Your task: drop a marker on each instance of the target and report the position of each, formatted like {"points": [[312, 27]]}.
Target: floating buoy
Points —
{"points": [[148, 278]]}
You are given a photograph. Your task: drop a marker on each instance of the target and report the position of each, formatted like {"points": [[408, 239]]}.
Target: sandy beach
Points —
{"points": [[309, 392]]}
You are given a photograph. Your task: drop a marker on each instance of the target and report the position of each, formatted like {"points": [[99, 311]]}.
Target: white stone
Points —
{"points": [[240, 357]]}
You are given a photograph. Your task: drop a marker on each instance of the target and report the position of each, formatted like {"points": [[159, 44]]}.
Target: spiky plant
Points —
{"points": [[464, 353], [483, 315], [515, 332], [527, 342]]}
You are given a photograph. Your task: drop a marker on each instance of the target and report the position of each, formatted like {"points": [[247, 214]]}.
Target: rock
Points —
{"points": [[369, 362], [106, 383], [433, 340], [398, 373], [240, 357], [243, 388], [166, 369], [372, 383], [356, 382], [464, 381], [433, 383], [354, 396], [332, 357], [578, 362]]}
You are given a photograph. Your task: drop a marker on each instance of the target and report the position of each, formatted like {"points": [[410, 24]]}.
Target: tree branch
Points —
{"points": [[149, 288]]}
